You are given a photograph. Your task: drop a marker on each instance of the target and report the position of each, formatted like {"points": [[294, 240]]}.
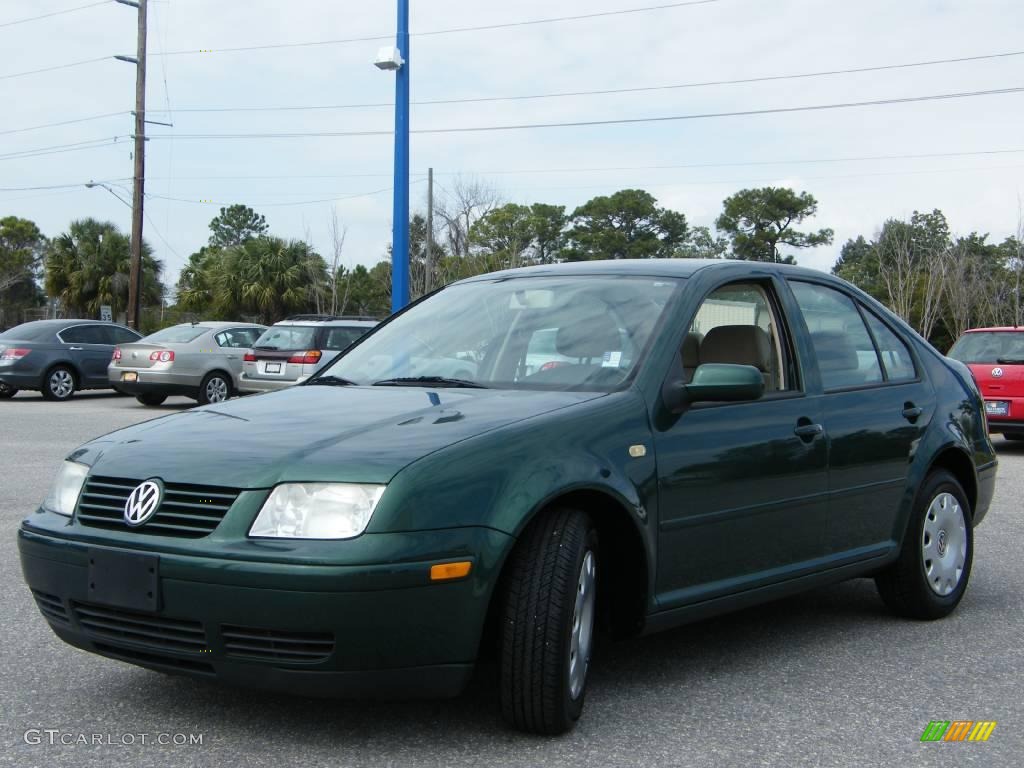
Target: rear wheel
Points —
{"points": [[930, 577], [6, 392], [216, 388], [59, 383], [547, 631], [150, 398]]}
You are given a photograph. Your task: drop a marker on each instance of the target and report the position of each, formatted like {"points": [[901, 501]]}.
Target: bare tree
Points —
{"points": [[338, 234], [1016, 265], [463, 203], [897, 266]]}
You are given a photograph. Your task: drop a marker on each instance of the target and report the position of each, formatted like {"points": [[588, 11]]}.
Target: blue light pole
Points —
{"points": [[400, 234]]}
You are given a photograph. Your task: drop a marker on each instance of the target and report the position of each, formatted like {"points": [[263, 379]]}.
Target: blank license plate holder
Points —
{"points": [[124, 579]]}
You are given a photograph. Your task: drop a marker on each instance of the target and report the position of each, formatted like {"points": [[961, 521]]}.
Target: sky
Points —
{"points": [[853, 160]]}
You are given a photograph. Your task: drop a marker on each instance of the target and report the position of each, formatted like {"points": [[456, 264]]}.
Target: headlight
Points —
{"points": [[65, 489], [317, 511]]}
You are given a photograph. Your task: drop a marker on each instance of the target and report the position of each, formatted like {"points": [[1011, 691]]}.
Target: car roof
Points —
{"points": [[648, 268], [997, 329], [216, 325], [328, 323]]}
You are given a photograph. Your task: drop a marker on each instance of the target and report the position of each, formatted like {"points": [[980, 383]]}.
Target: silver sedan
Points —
{"points": [[198, 360]]}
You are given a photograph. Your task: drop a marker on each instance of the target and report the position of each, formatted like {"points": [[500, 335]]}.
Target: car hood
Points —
{"points": [[318, 433]]}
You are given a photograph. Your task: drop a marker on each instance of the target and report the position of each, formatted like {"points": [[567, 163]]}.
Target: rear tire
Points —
{"points": [[150, 398], [547, 622], [59, 383], [930, 577], [216, 388], [7, 392]]}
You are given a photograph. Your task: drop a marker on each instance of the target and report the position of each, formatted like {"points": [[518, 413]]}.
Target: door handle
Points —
{"points": [[75, 349], [911, 412], [808, 432]]}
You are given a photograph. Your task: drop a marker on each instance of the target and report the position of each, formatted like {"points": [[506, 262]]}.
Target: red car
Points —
{"points": [[996, 358]]}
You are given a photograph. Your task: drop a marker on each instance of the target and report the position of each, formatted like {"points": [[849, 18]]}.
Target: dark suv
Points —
{"points": [[58, 357]]}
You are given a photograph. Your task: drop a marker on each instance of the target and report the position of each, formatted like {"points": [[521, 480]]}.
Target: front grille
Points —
{"points": [[277, 645], [189, 511], [139, 629], [51, 607], [154, 659]]}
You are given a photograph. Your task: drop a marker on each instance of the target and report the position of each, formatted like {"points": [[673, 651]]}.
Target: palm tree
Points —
{"points": [[89, 266]]}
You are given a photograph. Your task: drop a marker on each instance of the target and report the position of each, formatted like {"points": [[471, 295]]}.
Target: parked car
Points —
{"points": [[374, 531], [198, 360], [996, 358], [294, 349], [58, 357]]}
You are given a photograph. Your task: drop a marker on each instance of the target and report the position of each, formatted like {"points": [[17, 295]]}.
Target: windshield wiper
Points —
{"points": [[434, 381], [1010, 360], [331, 381]]}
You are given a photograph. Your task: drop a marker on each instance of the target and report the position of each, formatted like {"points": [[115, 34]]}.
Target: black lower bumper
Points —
{"points": [[1004, 426], [149, 388]]}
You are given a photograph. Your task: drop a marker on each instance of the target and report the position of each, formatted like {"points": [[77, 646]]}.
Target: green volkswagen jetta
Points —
{"points": [[629, 446]]}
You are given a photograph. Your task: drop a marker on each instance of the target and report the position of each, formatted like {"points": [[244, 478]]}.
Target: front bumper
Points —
{"points": [[314, 629]]}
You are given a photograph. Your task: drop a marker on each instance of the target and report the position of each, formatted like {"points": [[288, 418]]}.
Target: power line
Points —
{"points": [[58, 149], [453, 30], [55, 67], [277, 204], [613, 91], [62, 122], [53, 13], [593, 123]]}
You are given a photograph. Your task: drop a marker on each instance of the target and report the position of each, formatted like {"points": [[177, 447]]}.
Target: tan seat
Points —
{"points": [[691, 355], [739, 345]]}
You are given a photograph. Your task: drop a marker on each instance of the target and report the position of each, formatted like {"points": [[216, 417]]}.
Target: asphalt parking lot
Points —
{"points": [[826, 679]]}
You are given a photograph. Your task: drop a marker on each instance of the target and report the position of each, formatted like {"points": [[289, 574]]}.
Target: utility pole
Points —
{"points": [[430, 231], [138, 185], [400, 236]]}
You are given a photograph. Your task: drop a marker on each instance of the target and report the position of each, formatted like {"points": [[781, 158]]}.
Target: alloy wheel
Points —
{"points": [[62, 383]]}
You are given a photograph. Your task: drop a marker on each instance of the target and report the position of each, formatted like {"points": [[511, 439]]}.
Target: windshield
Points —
{"points": [[580, 333], [989, 347], [286, 337], [176, 334]]}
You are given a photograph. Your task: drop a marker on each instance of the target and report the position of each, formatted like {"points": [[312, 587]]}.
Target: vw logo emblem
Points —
{"points": [[941, 544], [143, 502], [997, 373]]}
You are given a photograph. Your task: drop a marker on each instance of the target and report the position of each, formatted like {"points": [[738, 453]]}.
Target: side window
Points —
{"points": [[122, 335], [896, 359], [846, 355], [341, 337], [738, 324], [237, 338], [85, 334]]}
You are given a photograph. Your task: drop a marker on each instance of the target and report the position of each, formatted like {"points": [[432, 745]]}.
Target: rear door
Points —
{"points": [[877, 405], [90, 349]]}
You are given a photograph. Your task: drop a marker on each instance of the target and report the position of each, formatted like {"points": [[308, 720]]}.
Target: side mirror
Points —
{"points": [[715, 382]]}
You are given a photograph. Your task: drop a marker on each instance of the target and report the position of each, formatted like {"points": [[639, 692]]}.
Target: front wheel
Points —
{"points": [[930, 577], [150, 398], [216, 388], [59, 383], [547, 628]]}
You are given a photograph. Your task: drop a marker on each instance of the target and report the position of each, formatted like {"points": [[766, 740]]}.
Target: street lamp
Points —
{"points": [[397, 60]]}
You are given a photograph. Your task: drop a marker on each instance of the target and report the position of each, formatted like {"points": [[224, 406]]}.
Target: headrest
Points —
{"points": [[588, 335], [737, 344], [835, 352], [691, 350]]}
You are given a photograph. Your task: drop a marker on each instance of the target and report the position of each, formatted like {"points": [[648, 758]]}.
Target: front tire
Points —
{"points": [[216, 388], [930, 577], [59, 384], [549, 602], [150, 398]]}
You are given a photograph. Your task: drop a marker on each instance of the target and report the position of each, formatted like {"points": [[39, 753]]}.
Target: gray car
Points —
{"points": [[198, 360], [58, 357], [294, 349]]}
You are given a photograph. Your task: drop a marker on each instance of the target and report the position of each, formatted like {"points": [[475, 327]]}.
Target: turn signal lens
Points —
{"points": [[449, 571], [162, 357], [309, 357], [117, 353]]}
